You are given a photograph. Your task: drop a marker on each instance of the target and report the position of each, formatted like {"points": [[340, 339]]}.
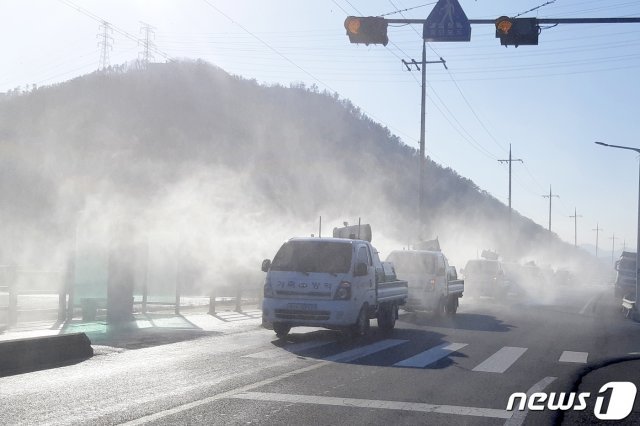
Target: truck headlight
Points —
{"points": [[344, 291]]}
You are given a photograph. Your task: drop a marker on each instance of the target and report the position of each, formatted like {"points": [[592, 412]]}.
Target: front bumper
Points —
{"points": [[313, 313]]}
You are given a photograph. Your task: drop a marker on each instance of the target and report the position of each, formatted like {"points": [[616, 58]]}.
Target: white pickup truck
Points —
{"points": [[433, 284], [335, 283]]}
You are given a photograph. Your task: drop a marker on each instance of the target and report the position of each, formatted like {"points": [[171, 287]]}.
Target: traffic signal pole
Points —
{"points": [[511, 31]]}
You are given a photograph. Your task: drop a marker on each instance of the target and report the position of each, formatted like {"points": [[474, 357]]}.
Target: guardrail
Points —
{"points": [[19, 283], [48, 294]]}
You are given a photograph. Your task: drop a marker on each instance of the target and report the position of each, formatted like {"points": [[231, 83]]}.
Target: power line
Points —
{"points": [[124, 33]]}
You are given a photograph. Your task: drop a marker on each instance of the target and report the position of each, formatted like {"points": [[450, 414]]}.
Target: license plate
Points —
{"points": [[303, 306]]}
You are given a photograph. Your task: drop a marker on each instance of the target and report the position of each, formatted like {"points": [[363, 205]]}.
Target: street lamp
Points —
{"points": [[635, 305]]}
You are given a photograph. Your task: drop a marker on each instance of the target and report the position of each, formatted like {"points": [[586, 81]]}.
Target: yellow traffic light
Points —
{"points": [[517, 31], [504, 24], [352, 24], [367, 29]]}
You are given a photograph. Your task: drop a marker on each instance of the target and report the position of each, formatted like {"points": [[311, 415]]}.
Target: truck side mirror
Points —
{"points": [[266, 264], [361, 269]]}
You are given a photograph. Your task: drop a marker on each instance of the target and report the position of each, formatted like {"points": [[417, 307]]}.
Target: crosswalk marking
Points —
{"points": [[363, 351], [578, 357], [430, 356], [292, 348], [501, 360]]}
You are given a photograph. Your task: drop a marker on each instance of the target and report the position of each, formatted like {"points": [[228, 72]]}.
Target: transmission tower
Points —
{"points": [[105, 43], [148, 35]]}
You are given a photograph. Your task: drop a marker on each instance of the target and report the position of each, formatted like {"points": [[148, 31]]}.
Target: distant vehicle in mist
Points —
{"points": [[433, 283], [485, 277]]}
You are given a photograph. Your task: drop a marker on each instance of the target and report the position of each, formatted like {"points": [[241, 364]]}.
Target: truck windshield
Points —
{"points": [[313, 256], [413, 263]]}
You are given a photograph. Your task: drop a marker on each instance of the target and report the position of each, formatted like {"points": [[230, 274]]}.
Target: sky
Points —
{"points": [[550, 102]]}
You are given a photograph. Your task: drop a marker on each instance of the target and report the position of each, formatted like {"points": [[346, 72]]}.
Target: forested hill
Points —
{"points": [[223, 166]]}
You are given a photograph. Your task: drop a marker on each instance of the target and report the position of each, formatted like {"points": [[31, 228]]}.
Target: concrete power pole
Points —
{"points": [[105, 43], [597, 229], [550, 196], [423, 113], [510, 160], [613, 248], [575, 217]]}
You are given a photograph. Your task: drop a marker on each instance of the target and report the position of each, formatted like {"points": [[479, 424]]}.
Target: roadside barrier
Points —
{"points": [[24, 355]]}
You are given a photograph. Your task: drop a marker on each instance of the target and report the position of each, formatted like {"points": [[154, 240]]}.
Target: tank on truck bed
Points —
{"points": [[334, 283]]}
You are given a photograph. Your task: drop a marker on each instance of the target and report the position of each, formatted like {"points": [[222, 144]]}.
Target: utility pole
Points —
{"points": [[105, 43], [597, 229], [510, 160], [148, 34], [423, 113], [613, 248], [575, 217], [550, 196]]}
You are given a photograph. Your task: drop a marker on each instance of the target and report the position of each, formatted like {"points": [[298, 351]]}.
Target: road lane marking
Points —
{"points": [[569, 356], [292, 349], [501, 360], [518, 416], [363, 351], [589, 302], [374, 403], [155, 417], [430, 356]]}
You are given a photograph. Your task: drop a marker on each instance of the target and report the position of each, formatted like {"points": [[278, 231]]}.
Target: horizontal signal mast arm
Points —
{"points": [[540, 21]]}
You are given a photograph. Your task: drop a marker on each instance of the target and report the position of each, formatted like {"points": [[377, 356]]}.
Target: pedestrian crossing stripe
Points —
{"points": [[430, 356], [576, 357], [499, 362], [353, 354], [293, 348]]}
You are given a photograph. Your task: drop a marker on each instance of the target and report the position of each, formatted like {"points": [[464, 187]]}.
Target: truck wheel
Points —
{"points": [[441, 307], [361, 327], [387, 317], [281, 329], [452, 306]]}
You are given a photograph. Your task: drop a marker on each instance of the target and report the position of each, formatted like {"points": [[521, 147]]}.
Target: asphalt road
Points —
{"points": [[456, 370]]}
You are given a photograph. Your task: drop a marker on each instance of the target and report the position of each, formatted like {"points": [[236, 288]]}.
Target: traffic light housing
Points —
{"points": [[367, 30], [517, 31]]}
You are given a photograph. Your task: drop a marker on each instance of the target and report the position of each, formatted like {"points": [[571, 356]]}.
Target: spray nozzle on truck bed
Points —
{"points": [[354, 232]]}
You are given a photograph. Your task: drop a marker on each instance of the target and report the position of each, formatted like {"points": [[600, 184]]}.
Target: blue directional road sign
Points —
{"points": [[447, 22]]}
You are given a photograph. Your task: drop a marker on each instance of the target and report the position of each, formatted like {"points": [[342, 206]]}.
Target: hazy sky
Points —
{"points": [[551, 101]]}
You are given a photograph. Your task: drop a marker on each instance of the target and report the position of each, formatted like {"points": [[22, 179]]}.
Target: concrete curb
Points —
{"points": [[31, 354]]}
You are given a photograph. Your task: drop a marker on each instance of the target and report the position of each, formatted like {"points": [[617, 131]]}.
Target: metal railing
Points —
{"points": [[18, 284]]}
